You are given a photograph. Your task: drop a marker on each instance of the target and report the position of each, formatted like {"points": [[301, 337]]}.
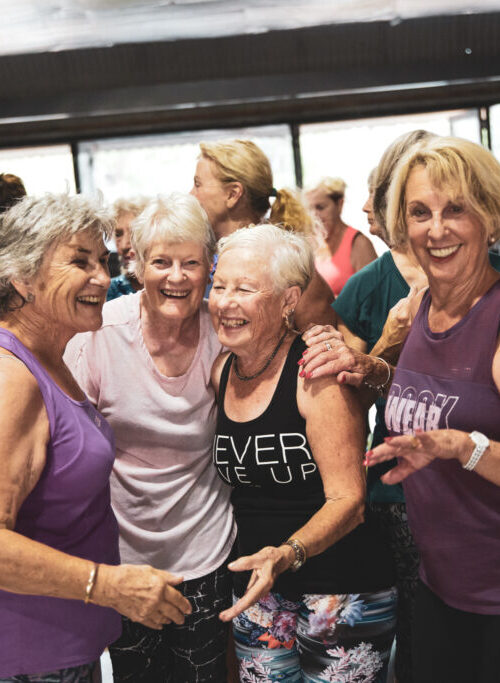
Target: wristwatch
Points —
{"points": [[481, 443], [300, 553]]}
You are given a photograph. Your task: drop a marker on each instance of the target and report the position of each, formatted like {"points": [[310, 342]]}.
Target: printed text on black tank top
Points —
{"points": [[281, 458]]}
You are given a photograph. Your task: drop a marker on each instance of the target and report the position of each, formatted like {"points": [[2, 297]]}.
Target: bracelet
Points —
{"points": [[380, 387], [90, 584], [300, 553]]}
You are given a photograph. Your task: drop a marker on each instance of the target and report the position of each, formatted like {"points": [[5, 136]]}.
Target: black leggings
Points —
{"points": [[192, 653], [452, 646]]}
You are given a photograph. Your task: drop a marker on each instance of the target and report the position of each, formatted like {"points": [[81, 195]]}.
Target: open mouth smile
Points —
{"points": [[175, 293], [443, 253], [233, 322], [89, 300]]}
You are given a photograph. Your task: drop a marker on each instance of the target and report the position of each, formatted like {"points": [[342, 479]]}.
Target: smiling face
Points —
{"points": [[325, 208], [71, 285], [210, 192], [246, 311], [175, 277], [446, 237]]}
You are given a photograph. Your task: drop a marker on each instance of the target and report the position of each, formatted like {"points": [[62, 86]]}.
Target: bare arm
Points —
{"points": [[315, 305], [26, 566], [363, 252], [335, 430], [397, 326]]}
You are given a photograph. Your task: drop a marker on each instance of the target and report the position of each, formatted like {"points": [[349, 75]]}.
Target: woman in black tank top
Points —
{"points": [[293, 451]]}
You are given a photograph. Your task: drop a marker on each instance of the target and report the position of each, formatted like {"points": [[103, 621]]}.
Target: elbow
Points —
{"points": [[358, 512]]}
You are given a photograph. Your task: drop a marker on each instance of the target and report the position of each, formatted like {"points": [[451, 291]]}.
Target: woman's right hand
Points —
{"points": [[142, 594]]}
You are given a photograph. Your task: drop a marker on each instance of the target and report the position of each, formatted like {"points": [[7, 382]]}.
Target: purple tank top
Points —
{"points": [[70, 510], [443, 380]]}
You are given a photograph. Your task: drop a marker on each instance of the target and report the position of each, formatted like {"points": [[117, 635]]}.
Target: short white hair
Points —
{"points": [[132, 205], [174, 219], [290, 256], [33, 225]]}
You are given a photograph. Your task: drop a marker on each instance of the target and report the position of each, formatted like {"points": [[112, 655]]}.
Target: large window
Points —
{"points": [[351, 149], [42, 169], [166, 163]]}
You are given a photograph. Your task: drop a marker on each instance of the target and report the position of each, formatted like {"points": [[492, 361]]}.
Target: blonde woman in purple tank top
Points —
{"points": [[443, 407], [61, 584]]}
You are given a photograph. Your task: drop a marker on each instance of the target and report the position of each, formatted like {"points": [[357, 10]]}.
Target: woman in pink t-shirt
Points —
{"points": [[148, 371]]}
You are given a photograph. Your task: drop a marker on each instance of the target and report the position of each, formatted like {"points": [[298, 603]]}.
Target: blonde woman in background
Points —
{"points": [[234, 182], [125, 211], [345, 250]]}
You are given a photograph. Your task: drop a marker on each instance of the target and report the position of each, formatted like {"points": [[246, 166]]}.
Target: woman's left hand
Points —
{"points": [[418, 450], [267, 564], [328, 354]]}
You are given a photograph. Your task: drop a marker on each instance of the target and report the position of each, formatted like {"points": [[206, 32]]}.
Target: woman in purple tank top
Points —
{"points": [[61, 585], [443, 407]]}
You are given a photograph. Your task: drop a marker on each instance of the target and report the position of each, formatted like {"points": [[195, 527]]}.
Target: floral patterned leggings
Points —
{"points": [[321, 639]]}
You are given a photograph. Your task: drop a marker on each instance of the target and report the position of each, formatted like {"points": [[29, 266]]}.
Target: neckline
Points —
{"points": [[458, 325], [276, 388], [149, 359], [32, 356]]}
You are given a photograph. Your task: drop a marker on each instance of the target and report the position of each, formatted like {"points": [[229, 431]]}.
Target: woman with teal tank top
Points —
{"points": [[61, 583]]}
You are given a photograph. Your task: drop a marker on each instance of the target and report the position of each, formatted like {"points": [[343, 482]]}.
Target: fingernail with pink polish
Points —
{"points": [[388, 439], [302, 373], [301, 362]]}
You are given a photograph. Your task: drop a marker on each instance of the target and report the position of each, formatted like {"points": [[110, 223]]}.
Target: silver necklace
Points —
{"points": [[246, 378]]}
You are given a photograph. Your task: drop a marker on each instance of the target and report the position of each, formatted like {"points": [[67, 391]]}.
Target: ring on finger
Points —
{"points": [[414, 442], [328, 346]]}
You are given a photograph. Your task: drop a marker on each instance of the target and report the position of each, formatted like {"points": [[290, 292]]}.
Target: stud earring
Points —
{"points": [[30, 297]]}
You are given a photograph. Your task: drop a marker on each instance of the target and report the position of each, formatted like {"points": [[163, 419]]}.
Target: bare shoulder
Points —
{"points": [[24, 426], [217, 370], [325, 394], [363, 251]]}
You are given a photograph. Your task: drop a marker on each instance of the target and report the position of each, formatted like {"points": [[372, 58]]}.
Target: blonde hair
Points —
{"points": [[385, 170], [334, 187], [244, 162], [469, 171], [174, 218], [289, 255]]}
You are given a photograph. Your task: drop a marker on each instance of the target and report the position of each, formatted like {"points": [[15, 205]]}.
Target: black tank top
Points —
{"points": [[277, 488]]}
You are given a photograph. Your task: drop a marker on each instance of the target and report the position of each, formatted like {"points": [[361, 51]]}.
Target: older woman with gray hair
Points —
{"points": [[60, 577], [293, 452], [172, 509]]}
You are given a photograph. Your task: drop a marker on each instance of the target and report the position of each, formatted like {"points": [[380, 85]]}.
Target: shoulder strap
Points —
{"points": [[223, 381]]}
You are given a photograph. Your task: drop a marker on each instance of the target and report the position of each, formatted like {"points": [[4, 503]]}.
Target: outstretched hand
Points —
{"points": [[267, 564], [417, 451]]}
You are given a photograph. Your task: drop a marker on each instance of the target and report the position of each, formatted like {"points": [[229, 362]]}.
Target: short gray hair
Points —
{"points": [[173, 218], [133, 205], [33, 225], [291, 260]]}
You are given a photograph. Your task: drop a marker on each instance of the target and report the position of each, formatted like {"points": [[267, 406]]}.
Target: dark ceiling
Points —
{"points": [[321, 73]]}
